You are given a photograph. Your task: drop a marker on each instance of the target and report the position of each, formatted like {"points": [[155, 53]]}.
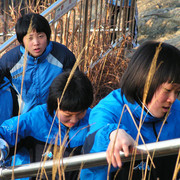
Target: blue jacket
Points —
{"points": [[37, 123], [40, 71], [105, 116], [6, 100]]}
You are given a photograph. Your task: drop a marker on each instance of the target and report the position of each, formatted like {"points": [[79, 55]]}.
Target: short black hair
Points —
{"points": [[167, 70], [77, 97], [39, 23]]}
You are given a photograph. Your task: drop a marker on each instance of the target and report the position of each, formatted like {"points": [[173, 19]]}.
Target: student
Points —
{"points": [[8, 99], [160, 107], [45, 60], [71, 116]]}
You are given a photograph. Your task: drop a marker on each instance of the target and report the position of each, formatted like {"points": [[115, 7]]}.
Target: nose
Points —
{"points": [[172, 97], [36, 41], [74, 119]]}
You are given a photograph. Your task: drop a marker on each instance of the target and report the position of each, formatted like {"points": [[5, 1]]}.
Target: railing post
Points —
{"points": [[131, 22], [124, 25], [85, 17], [5, 20]]}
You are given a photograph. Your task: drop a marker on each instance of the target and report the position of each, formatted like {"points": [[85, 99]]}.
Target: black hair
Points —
{"points": [[167, 70], [39, 23], [77, 97]]}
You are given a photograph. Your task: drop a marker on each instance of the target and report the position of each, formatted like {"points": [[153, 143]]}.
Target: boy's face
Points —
{"points": [[69, 119], [35, 43]]}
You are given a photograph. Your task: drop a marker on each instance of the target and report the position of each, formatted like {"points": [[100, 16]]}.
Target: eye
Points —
{"points": [[167, 90], [68, 116], [30, 38], [41, 35]]}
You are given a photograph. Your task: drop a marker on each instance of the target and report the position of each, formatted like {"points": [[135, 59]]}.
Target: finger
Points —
{"points": [[113, 161], [110, 157], [125, 149], [108, 153], [118, 158]]}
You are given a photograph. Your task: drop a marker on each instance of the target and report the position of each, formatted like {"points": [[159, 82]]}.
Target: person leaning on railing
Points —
{"points": [[147, 100], [62, 122]]}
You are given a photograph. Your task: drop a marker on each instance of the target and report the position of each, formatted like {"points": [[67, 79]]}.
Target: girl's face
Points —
{"points": [[69, 119], [35, 43], [163, 98]]}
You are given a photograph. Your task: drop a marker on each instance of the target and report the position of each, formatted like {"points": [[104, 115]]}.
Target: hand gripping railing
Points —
{"points": [[163, 148]]}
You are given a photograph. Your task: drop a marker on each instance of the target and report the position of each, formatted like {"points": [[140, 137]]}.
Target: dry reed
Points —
{"points": [[105, 77]]}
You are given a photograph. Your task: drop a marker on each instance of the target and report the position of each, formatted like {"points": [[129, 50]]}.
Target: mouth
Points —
{"points": [[166, 109], [37, 50], [70, 124]]}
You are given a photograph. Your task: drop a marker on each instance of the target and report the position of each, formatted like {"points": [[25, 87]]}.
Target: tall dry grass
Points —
{"points": [[105, 77]]}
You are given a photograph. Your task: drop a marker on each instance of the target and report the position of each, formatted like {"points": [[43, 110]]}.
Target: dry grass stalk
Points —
{"points": [[110, 69], [23, 74]]}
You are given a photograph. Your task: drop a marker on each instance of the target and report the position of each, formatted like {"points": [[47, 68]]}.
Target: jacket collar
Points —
{"points": [[139, 112]]}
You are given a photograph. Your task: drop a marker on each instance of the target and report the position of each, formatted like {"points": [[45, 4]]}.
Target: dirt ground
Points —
{"points": [[159, 20]]}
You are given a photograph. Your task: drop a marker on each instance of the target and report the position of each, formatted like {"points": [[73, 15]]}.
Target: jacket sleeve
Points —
{"points": [[8, 129], [9, 59], [104, 119], [28, 124]]}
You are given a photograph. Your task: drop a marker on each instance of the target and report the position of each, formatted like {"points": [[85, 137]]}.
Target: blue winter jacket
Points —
{"points": [[39, 73], [105, 116], [37, 124], [6, 100]]}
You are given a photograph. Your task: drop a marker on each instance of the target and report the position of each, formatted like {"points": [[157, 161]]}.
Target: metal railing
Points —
{"points": [[159, 149]]}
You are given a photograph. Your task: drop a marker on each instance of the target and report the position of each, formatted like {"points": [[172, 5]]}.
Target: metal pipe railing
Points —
{"points": [[163, 148]]}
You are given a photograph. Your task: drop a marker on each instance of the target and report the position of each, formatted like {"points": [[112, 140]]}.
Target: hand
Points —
{"points": [[4, 149], [123, 142]]}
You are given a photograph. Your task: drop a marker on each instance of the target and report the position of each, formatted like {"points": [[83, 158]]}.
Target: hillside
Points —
{"points": [[159, 20]]}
